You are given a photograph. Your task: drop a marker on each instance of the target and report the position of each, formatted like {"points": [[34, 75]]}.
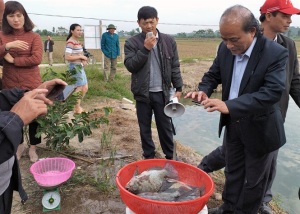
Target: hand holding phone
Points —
{"points": [[61, 92], [56, 90]]}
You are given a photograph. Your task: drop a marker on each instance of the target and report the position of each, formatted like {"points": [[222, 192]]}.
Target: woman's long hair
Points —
{"points": [[10, 8], [72, 27]]}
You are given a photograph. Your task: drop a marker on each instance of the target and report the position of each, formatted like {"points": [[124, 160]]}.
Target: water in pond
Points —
{"points": [[199, 130]]}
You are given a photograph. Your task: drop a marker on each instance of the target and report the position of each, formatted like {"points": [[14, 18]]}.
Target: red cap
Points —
{"points": [[284, 6]]}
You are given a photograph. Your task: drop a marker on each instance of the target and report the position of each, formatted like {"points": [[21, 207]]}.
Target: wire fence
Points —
{"points": [[55, 21]]}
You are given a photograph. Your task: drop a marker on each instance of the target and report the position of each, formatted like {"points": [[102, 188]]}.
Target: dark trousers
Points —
{"points": [[246, 174], [268, 195], [6, 200], [216, 160], [32, 129], [163, 124]]}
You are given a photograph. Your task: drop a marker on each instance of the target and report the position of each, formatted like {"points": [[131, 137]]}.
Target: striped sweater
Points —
{"points": [[74, 47]]}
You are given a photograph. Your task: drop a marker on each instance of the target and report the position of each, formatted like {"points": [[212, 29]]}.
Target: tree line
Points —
{"points": [[293, 32]]}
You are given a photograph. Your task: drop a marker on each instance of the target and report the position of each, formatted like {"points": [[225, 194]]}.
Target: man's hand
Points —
{"points": [[215, 105], [28, 108], [178, 94], [198, 96], [49, 85], [150, 42]]}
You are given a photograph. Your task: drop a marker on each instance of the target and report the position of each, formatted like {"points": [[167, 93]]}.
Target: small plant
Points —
{"points": [[106, 139], [57, 127]]}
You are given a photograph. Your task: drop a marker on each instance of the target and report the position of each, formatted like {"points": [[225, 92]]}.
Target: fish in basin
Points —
{"points": [[151, 180], [160, 196], [174, 190]]}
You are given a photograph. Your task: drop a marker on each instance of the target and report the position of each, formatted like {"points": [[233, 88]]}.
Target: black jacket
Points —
{"points": [[256, 108], [137, 61], [11, 127], [51, 43]]}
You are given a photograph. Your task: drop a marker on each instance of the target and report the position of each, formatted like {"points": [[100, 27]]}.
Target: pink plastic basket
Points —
{"points": [[51, 172]]}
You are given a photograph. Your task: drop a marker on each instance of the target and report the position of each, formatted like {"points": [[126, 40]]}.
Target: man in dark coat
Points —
{"points": [[251, 69], [273, 23], [48, 48]]}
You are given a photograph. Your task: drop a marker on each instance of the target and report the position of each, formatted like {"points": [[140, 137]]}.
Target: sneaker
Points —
{"points": [[20, 151], [32, 155]]}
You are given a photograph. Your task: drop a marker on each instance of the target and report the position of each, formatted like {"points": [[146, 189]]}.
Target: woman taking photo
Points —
{"points": [[75, 57], [22, 51]]}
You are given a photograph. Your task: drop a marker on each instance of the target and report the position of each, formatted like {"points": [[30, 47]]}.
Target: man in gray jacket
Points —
{"points": [[152, 59]]}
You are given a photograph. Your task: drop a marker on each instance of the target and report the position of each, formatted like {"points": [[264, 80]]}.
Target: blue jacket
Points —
{"points": [[110, 45]]}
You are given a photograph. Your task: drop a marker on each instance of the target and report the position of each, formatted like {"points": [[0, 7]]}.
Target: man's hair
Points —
{"points": [[262, 17], [246, 16], [10, 8], [147, 12]]}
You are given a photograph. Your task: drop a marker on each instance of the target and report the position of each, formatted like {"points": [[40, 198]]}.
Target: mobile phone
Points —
{"points": [[61, 92], [197, 103], [149, 34]]}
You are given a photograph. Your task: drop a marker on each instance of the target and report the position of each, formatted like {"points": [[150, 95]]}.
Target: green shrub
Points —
{"points": [[57, 127]]}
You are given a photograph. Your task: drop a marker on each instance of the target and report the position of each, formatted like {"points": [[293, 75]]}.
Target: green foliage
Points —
{"points": [[103, 178], [67, 76], [58, 127], [116, 89], [106, 140]]}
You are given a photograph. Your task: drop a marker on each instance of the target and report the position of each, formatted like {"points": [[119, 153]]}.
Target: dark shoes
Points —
{"points": [[265, 209], [213, 210], [219, 210]]}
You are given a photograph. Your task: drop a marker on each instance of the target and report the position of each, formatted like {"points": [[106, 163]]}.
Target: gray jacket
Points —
{"points": [[137, 61]]}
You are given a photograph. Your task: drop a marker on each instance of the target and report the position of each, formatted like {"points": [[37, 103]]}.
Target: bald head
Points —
{"points": [[238, 27], [239, 15]]}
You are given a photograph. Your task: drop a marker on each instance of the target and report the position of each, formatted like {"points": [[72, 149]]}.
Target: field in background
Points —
{"points": [[188, 49]]}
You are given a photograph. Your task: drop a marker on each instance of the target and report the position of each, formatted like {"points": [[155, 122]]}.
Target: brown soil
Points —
{"points": [[78, 198]]}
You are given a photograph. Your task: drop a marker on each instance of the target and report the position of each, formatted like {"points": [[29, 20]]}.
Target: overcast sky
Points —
{"points": [[191, 14]]}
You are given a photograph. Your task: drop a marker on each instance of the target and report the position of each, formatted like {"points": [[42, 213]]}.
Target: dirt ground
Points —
{"points": [[76, 198]]}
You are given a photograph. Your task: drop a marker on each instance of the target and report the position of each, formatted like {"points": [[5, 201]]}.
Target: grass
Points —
{"points": [[102, 177], [116, 89]]}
